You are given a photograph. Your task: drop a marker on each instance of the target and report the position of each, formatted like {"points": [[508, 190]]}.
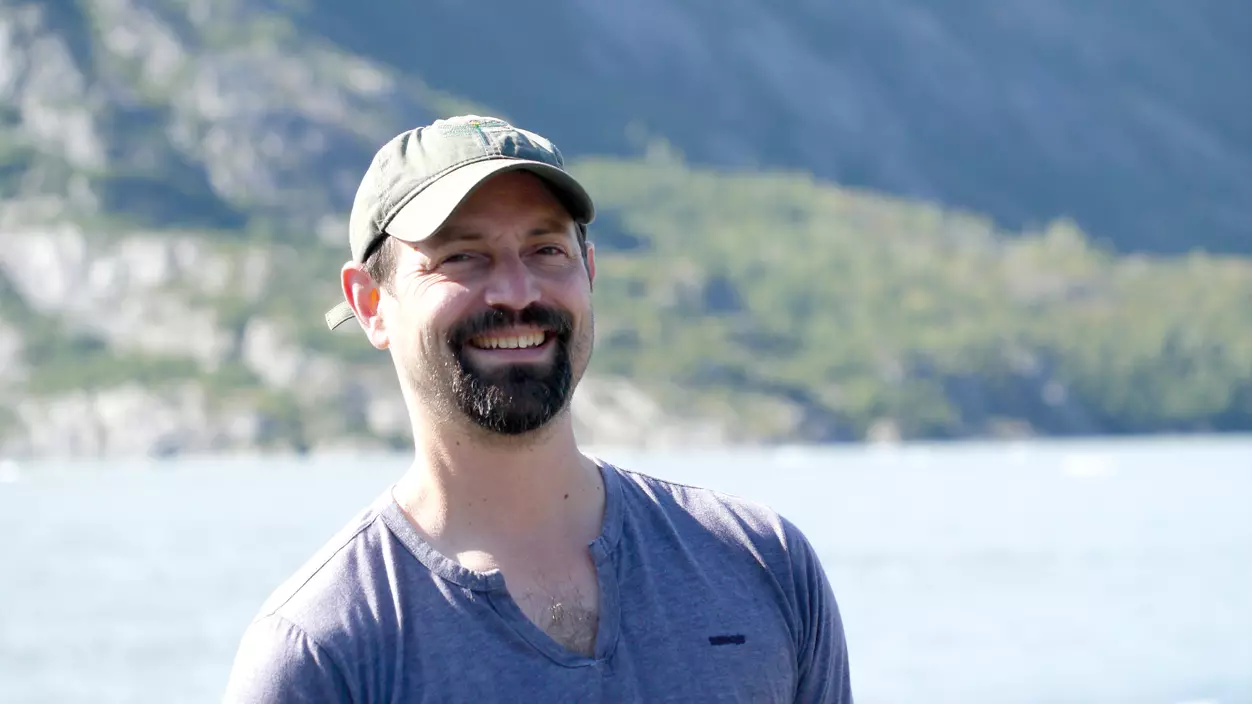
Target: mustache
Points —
{"points": [[553, 320]]}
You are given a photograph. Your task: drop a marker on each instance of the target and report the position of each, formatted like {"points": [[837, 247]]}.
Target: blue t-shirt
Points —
{"points": [[704, 597]]}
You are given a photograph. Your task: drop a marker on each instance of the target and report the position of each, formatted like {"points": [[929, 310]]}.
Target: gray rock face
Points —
{"points": [[42, 88], [220, 113], [133, 294], [125, 421], [131, 421], [12, 363]]}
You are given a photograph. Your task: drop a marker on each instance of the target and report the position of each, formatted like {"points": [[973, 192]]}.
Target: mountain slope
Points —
{"points": [[175, 180], [1133, 119]]}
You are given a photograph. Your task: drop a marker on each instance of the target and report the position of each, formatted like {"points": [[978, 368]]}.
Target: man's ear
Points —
{"points": [[363, 294]]}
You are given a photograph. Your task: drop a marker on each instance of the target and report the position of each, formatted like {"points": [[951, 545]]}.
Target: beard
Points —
{"points": [[508, 399]]}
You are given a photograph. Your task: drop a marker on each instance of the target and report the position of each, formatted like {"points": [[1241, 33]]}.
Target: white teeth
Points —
{"points": [[510, 343]]}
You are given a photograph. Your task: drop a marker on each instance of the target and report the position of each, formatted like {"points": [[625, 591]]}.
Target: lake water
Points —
{"points": [[1075, 572]]}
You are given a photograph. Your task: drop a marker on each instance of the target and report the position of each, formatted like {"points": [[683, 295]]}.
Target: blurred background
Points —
{"points": [[963, 288]]}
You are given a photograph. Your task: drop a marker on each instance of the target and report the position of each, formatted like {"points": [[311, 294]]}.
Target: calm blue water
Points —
{"points": [[971, 573]]}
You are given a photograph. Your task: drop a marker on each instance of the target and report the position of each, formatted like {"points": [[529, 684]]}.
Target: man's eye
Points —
{"points": [[456, 258], [551, 250]]}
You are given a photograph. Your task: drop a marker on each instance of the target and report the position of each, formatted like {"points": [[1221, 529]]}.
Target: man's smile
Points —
{"points": [[514, 344]]}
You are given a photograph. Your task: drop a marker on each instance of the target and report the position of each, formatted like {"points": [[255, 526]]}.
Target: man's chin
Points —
{"points": [[511, 400], [512, 416]]}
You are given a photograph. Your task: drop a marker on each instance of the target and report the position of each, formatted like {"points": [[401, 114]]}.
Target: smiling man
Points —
{"points": [[505, 565]]}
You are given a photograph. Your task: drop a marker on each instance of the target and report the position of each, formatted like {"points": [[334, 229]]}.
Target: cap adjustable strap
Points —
{"points": [[339, 315]]}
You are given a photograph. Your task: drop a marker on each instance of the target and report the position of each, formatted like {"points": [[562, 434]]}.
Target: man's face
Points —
{"points": [[491, 317]]}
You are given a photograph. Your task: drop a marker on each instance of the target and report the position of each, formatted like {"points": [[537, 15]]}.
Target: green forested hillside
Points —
{"points": [[855, 307], [799, 246]]}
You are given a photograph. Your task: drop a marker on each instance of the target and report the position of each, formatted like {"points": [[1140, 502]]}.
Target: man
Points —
{"points": [[506, 565]]}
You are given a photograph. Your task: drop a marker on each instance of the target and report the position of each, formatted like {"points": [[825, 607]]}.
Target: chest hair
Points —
{"points": [[569, 615]]}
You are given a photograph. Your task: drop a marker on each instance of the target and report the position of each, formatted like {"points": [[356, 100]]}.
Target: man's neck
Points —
{"points": [[489, 497]]}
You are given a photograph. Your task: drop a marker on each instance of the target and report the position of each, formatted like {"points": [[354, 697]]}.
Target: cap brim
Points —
{"points": [[427, 211], [422, 216]]}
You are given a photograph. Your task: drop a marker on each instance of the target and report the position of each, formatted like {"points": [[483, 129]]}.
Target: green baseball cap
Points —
{"points": [[418, 179]]}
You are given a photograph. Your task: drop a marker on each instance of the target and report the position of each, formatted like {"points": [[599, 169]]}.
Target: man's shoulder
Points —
{"points": [[736, 521], [339, 565]]}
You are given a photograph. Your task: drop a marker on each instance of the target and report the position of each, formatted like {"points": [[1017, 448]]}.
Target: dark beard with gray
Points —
{"points": [[513, 399]]}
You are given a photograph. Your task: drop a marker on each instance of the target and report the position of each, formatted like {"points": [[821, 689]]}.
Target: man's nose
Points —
{"points": [[512, 284]]}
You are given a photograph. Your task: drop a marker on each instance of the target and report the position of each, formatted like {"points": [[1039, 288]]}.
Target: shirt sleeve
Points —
{"points": [[822, 654], [278, 663]]}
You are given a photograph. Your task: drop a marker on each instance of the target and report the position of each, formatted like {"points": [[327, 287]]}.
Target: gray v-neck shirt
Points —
{"points": [[704, 597]]}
